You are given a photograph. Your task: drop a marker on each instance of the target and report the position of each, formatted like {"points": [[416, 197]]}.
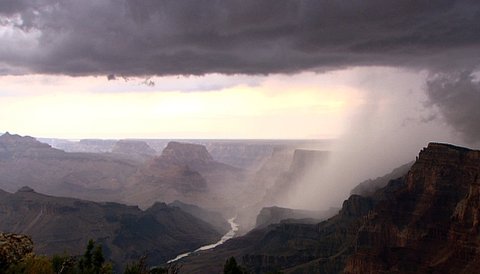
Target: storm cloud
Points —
{"points": [[160, 37], [457, 97]]}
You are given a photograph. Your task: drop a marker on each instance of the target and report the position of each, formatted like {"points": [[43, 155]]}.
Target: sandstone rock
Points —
{"points": [[186, 153], [428, 225]]}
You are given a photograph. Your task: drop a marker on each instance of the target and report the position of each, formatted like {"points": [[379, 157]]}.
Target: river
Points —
{"points": [[227, 236]]}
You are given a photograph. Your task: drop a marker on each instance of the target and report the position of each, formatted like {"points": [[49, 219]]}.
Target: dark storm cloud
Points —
{"points": [[457, 96], [160, 37]]}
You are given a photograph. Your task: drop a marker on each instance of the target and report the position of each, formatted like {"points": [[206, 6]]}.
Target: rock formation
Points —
{"points": [[430, 225], [275, 215], [424, 222], [189, 173], [368, 187], [186, 154]]}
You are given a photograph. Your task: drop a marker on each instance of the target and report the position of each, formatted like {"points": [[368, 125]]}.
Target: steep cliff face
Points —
{"points": [[425, 222], [430, 224], [186, 154]]}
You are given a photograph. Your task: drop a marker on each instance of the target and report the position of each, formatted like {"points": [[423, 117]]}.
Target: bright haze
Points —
{"points": [[383, 77]]}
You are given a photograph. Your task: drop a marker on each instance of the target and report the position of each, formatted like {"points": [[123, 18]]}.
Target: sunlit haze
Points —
{"points": [[304, 106]]}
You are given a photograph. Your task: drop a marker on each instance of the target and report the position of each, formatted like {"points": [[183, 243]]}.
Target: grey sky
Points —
{"points": [[159, 37]]}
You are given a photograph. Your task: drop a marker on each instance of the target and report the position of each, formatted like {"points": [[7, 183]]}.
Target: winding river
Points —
{"points": [[227, 236]]}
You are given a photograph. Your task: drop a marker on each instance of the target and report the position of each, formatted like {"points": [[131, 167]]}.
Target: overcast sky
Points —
{"points": [[239, 69]]}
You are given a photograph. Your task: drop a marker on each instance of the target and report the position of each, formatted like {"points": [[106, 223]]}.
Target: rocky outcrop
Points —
{"points": [[186, 172], [275, 215], [186, 154], [14, 146], [368, 187], [430, 225], [14, 248]]}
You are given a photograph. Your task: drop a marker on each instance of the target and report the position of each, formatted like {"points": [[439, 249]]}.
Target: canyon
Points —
{"points": [[425, 221], [423, 217]]}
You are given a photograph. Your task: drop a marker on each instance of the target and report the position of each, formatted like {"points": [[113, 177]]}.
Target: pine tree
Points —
{"points": [[231, 267]]}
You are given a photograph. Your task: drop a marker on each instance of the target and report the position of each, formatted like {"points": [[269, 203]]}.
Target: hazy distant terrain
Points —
{"points": [[133, 172], [141, 172]]}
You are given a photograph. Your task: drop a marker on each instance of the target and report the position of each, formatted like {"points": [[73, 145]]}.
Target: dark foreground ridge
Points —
{"points": [[57, 225], [426, 221]]}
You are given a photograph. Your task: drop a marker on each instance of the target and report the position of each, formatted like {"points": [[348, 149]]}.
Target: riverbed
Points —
{"points": [[230, 234]]}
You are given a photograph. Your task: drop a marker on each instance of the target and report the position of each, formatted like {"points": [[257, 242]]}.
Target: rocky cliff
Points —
{"points": [[424, 222], [186, 154], [275, 215], [430, 225]]}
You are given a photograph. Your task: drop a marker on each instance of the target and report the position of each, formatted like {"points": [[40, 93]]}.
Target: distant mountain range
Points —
{"points": [[26, 161], [132, 172]]}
